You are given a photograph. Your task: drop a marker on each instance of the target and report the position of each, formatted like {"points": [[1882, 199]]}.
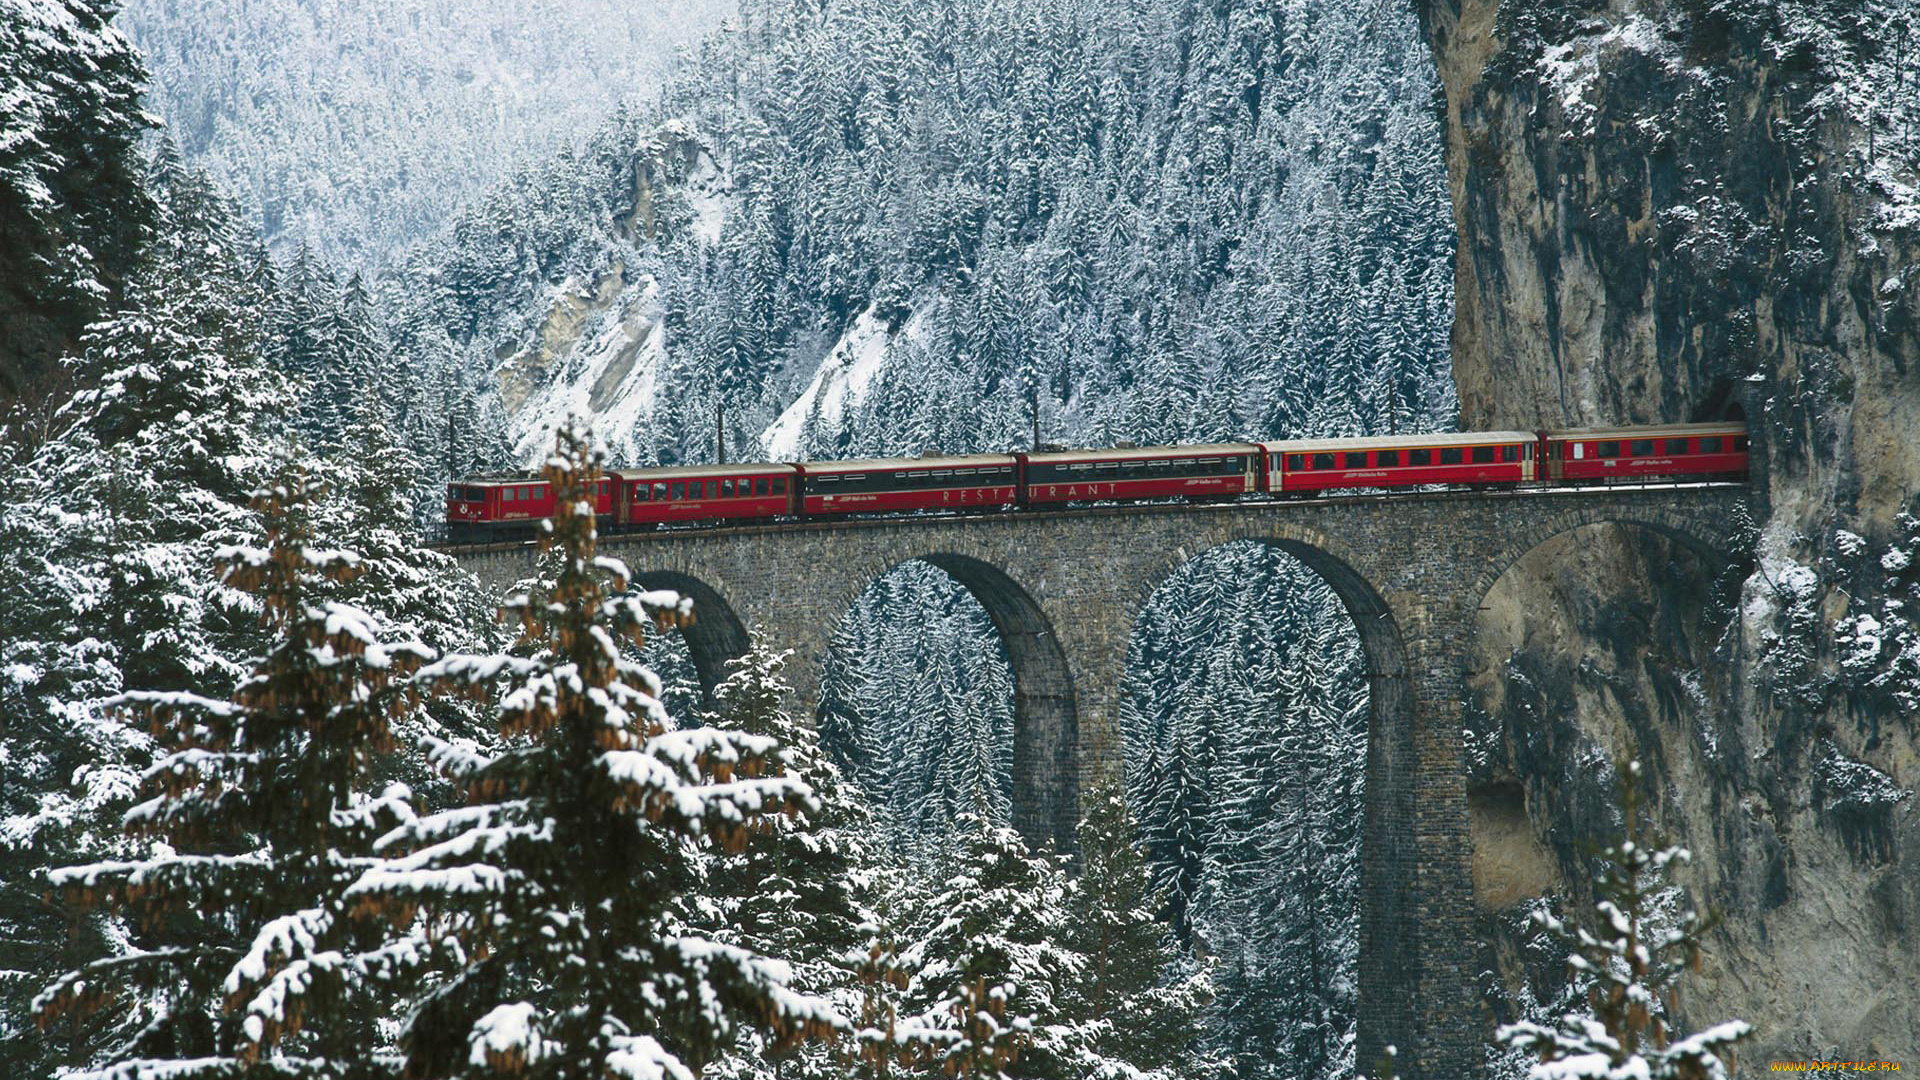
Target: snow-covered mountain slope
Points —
{"points": [[850, 244], [843, 381], [356, 128]]}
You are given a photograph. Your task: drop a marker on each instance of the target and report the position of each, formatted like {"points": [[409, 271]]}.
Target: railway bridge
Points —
{"points": [[1063, 589]]}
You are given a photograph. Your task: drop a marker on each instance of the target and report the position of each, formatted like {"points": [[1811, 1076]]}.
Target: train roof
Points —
{"points": [[955, 461], [1136, 453], [700, 472], [501, 478], [1651, 431], [1368, 442]]}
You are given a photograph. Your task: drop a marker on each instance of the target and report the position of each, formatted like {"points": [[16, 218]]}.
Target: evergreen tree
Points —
{"points": [[988, 960], [802, 888], [553, 893], [260, 824], [109, 544], [73, 209], [1631, 956], [1138, 1013]]}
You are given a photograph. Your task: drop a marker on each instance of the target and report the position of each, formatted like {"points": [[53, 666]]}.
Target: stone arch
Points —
{"points": [[1394, 930], [1529, 819], [1707, 540], [716, 634], [1046, 730]]}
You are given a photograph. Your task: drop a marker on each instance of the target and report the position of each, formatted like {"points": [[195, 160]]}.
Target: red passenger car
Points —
{"points": [[648, 497], [1390, 461], [977, 481], [499, 507], [1151, 472], [1677, 451]]}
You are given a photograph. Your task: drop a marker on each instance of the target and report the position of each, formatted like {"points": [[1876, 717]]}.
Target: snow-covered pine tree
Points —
{"points": [[1632, 955], [108, 544], [72, 205], [552, 893], [802, 888], [1137, 1002], [988, 960], [258, 825]]}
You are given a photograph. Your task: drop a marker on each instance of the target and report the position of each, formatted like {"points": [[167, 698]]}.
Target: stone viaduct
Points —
{"points": [[1064, 588]]}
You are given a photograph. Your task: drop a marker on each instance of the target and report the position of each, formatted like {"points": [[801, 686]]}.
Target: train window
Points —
{"points": [[1678, 447], [1157, 463], [678, 490], [779, 485], [1419, 457], [1296, 461], [1509, 453], [826, 479], [1323, 461], [1483, 455], [1451, 455], [1107, 466], [1609, 448], [942, 474], [1710, 444], [726, 489], [659, 490], [639, 492], [1641, 448], [1387, 457], [511, 494], [759, 485], [1356, 459], [1739, 444]]}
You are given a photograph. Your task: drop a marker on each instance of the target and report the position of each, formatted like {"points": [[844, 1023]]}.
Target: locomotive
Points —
{"points": [[506, 507]]}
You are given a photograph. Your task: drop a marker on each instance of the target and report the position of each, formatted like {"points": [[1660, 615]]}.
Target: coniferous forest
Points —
{"points": [[286, 792]]}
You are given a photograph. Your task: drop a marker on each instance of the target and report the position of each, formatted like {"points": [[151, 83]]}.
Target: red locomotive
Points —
{"points": [[500, 507]]}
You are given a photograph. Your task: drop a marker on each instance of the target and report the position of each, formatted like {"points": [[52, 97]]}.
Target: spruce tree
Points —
{"points": [[259, 824], [802, 888], [554, 893], [1138, 1012], [1631, 955], [989, 960]]}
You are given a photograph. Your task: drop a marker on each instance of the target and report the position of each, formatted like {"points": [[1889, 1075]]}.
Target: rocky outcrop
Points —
{"points": [[1670, 209]]}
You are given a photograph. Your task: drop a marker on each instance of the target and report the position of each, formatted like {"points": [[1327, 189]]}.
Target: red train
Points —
{"points": [[502, 507]]}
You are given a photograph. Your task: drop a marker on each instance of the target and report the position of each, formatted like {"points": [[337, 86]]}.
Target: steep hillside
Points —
{"points": [[867, 228], [354, 129], [1673, 210]]}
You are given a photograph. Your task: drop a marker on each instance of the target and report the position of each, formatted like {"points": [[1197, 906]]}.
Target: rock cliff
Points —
{"points": [[1674, 210]]}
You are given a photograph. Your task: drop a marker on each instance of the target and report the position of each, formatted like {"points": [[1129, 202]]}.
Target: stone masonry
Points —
{"points": [[1064, 588]]}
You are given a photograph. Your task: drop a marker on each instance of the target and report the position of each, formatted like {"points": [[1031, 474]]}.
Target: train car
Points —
{"points": [[1393, 461], [972, 482], [499, 507], [1148, 472], [1603, 455], [748, 491]]}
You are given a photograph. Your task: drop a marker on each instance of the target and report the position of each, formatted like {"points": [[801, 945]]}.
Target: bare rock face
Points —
{"points": [[1676, 210]]}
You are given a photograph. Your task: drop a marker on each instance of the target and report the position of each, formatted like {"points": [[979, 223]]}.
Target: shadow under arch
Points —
{"points": [[1045, 789], [1391, 918], [1655, 613], [716, 634]]}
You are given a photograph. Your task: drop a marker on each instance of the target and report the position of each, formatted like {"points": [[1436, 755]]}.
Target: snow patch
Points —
{"points": [[842, 380]]}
